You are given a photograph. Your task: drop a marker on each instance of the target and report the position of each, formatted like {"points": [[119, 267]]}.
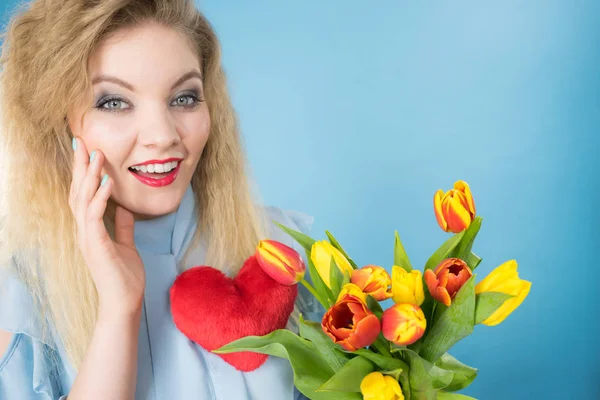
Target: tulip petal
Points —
{"points": [[456, 214], [437, 207], [394, 388], [366, 332], [353, 290], [290, 257], [321, 259], [403, 324], [507, 270], [464, 188], [455, 282], [419, 292], [441, 294], [462, 199], [509, 306], [430, 280], [321, 254], [407, 287]]}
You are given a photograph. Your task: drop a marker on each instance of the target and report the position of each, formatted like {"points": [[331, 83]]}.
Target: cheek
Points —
{"points": [[112, 136], [195, 132]]}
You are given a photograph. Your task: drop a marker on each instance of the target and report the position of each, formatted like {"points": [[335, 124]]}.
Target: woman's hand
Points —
{"points": [[116, 266]]}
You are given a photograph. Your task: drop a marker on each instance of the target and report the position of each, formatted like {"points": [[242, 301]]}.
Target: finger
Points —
{"points": [[89, 185], [80, 165], [95, 212], [124, 225]]}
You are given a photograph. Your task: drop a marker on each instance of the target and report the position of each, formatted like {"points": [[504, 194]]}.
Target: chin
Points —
{"points": [[154, 205]]}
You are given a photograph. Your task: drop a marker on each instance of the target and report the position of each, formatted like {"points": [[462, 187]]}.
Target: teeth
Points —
{"points": [[156, 168]]}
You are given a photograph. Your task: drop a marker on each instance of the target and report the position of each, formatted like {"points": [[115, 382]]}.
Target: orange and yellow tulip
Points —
{"points": [[407, 287], [351, 324], [504, 279], [373, 280], [403, 323], [376, 386], [447, 279], [455, 209], [321, 254], [280, 262]]}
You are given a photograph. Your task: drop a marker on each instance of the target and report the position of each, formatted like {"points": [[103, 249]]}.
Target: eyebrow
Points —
{"points": [[108, 78]]}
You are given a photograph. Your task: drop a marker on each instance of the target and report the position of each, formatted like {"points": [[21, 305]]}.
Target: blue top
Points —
{"points": [[170, 366]]}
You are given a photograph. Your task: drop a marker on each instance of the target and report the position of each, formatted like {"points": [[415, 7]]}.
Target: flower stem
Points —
{"points": [[381, 346]]}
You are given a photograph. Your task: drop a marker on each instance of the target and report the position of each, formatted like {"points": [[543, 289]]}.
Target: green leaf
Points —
{"points": [[336, 278], [311, 370], [425, 378], [452, 323], [395, 373], [374, 306], [330, 351], [487, 303], [320, 287], [349, 378], [338, 246], [396, 348], [473, 260], [400, 256], [444, 251], [453, 396], [463, 250], [346, 279], [383, 362], [463, 374], [301, 238]]}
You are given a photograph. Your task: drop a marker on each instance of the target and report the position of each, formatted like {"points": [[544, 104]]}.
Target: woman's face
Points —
{"points": [[148, 112]]}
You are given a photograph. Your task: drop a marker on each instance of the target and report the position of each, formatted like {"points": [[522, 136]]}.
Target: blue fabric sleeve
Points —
{"points": [[298, 395], [29, 368]]}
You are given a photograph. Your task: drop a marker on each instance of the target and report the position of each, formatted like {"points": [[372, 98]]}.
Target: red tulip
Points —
{"points": [[447, 279], [280, 262], [351, 324]]}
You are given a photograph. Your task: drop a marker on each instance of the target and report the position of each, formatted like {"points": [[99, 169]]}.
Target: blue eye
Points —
{"points": [[113, 104], [186, 100]]}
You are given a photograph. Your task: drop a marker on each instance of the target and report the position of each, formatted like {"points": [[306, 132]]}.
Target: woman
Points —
{"points": [[123, 168]]}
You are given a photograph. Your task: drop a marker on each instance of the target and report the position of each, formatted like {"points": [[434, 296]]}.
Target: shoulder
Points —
{"points": [[17, 311], [26, 366]]}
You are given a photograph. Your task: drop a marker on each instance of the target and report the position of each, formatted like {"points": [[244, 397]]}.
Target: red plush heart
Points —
{"points": [[213, 310]]}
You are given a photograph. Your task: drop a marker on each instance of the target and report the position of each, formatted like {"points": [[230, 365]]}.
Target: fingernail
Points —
{"points": [[74, 144], [92, 155], [104, 180]]}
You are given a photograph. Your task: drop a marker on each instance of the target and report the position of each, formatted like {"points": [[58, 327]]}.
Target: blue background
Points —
{"points": [[356, 114]]}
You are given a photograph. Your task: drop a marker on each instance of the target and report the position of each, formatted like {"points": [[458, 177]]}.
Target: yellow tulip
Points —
{"points": [[376, 386], [354, 290], [320, 255], [407, 287], [455, 209], [504, 279]]}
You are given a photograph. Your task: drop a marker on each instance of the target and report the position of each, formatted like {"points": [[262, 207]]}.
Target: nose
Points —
{"points": [[158, 130]]}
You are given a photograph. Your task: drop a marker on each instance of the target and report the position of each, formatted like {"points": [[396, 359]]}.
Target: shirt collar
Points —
{"points": [[169, 233]]}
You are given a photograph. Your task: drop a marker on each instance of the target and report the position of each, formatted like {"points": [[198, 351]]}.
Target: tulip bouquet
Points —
{"points": [[358, 349]]}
